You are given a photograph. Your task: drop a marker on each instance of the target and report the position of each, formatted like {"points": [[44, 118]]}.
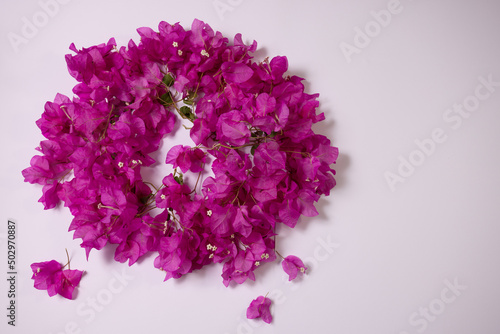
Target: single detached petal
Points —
{"points": [[259, 308], [292, 265]]}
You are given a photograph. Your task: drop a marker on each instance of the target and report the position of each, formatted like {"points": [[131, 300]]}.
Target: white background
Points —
{"points": [[389, 255]]}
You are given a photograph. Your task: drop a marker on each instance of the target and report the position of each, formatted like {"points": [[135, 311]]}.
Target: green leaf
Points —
{"points": [[144, 199], [166, 99], [186, 111], [179, 178], [113, 119], [254, 147], [168, 80], [191, 96]]}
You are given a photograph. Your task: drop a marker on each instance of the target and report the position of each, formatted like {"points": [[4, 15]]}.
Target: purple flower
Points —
{"points": [[68, 280], [265, 104], [259, 308], [89, 62], [241, 223], [236, 72], [268, 158], [186, 158], [39, 171], [50, 276], [177, 254], [173, 194], [44, 274], [232, 128], [200, 131], [222, 219], [292, 265], [49, 197]]}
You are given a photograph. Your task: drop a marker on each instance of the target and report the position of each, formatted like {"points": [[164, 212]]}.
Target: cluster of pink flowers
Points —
{"points": [[252, 122]]}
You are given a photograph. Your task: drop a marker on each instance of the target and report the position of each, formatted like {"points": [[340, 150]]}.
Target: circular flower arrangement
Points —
{"points": [[248, 120]]}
